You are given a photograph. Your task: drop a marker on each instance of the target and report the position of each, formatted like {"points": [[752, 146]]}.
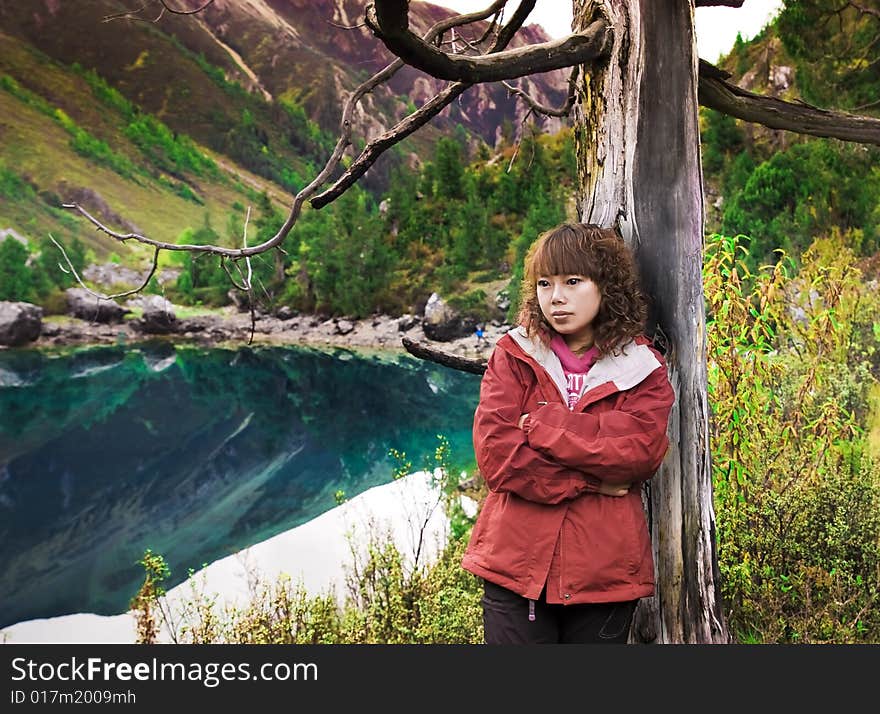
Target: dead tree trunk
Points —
{"points": [[639, 169]]}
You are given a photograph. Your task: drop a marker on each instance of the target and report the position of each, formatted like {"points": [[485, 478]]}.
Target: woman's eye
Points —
{"points": [[573, 281], [543, 283]]}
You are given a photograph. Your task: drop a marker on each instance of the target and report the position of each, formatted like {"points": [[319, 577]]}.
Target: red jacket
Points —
{"points": [[543, 520]]}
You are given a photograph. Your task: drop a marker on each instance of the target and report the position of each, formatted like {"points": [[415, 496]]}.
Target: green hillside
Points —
{"points": [[785, 190], [68, 136]]}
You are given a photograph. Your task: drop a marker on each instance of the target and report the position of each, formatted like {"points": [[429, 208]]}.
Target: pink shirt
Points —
{"points": [[575, 367]]}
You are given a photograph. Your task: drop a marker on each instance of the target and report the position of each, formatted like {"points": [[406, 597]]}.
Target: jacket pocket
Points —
{"points": [[603, 550], [633, 530]]}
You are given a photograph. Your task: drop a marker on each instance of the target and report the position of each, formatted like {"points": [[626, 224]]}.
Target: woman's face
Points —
{"points": [[570, 303]]}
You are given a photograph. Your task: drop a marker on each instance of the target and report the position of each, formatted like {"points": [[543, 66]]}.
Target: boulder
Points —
{"points": [[158, 317], [20, 323], [344, 327], [407, 322], [442, 323], [200, 323], [85, 306]]}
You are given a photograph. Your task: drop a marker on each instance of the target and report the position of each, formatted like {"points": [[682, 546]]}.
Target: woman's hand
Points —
{"points": [[605, 489], [614, 489]]}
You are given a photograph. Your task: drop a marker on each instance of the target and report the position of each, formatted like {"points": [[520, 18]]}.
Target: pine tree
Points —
{"points": [[16, 278]]}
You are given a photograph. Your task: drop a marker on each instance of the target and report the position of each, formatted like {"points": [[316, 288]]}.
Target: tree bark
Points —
{"points": [[638, 148]]}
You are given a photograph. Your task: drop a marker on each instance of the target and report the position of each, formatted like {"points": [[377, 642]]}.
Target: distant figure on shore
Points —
{"points": [[481, 337]]}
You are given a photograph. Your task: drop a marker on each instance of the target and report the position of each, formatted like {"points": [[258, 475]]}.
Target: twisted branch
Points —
{"points": [[101, 296], [536, 106], [716, 93], [369, 155], [431, 354], [389, 20]]}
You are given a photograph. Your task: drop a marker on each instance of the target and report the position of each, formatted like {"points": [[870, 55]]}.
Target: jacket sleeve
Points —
{"points": [[505, 459], [622, 445]]}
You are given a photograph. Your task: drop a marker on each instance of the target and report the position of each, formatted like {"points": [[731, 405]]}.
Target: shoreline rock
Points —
{"points": [[20, 323], [228, 327]]}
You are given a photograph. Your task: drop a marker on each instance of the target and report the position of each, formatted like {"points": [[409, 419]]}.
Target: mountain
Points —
{"points": [[284, 50], [159, 124]]}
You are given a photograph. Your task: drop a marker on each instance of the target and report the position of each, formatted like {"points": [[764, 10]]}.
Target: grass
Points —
{"points": [[186, 311], [37, 149]]}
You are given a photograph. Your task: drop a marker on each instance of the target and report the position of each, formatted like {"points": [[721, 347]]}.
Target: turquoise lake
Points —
{"points": [[194, 453]]}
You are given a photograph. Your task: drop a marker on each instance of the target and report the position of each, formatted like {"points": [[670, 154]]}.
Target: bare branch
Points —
{"points": [[803, 118], [868, 105], [425, 113], [332, 163], [162, 245], [133, 14], [114, 16], [185, 12], [101, 296], [455, 40], [225, 267], [253, 318], [431, 354], [492, 26], [520, 15], [516, 148], [346, 27], [249, 281], [394, 135], [250, 271], [535, 105], [864, 10], [389, 20]]}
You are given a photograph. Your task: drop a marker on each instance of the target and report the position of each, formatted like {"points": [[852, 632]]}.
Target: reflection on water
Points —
{"points": [[195, 454]]}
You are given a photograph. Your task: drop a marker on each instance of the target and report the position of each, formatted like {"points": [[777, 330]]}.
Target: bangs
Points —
{"points": [[563, 252]]}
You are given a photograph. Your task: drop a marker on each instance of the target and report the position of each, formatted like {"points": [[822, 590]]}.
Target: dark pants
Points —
{"points": [[506, 620]]}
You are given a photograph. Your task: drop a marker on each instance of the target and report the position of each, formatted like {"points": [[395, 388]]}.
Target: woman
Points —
{"points": [[571, 421]]}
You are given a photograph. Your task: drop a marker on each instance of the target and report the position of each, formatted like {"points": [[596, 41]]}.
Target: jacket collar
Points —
{"points": [[623, 371]]}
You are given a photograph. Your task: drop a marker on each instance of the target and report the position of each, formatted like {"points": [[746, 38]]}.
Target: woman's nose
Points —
{"points": [[558, 294]]}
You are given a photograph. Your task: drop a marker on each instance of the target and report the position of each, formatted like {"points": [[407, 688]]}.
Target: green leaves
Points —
{"points": [[16, 279], [146, 604], [801, 193], [790, 373]]}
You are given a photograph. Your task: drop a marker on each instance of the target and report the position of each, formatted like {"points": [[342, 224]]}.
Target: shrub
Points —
{"points": [[795, 494], [389, 598], [13, 186], [16, 278], [473, 304]]}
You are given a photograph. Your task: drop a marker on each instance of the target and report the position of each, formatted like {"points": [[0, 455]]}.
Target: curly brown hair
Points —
{"points": [[600, 255]]}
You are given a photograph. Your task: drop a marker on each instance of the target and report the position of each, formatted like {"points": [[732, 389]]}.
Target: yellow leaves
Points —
{"points": [[778, 343], [789, 382], [139, 63]]}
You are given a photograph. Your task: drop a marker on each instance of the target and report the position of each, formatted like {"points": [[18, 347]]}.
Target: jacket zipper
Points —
{"points": [[531, 610]]}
